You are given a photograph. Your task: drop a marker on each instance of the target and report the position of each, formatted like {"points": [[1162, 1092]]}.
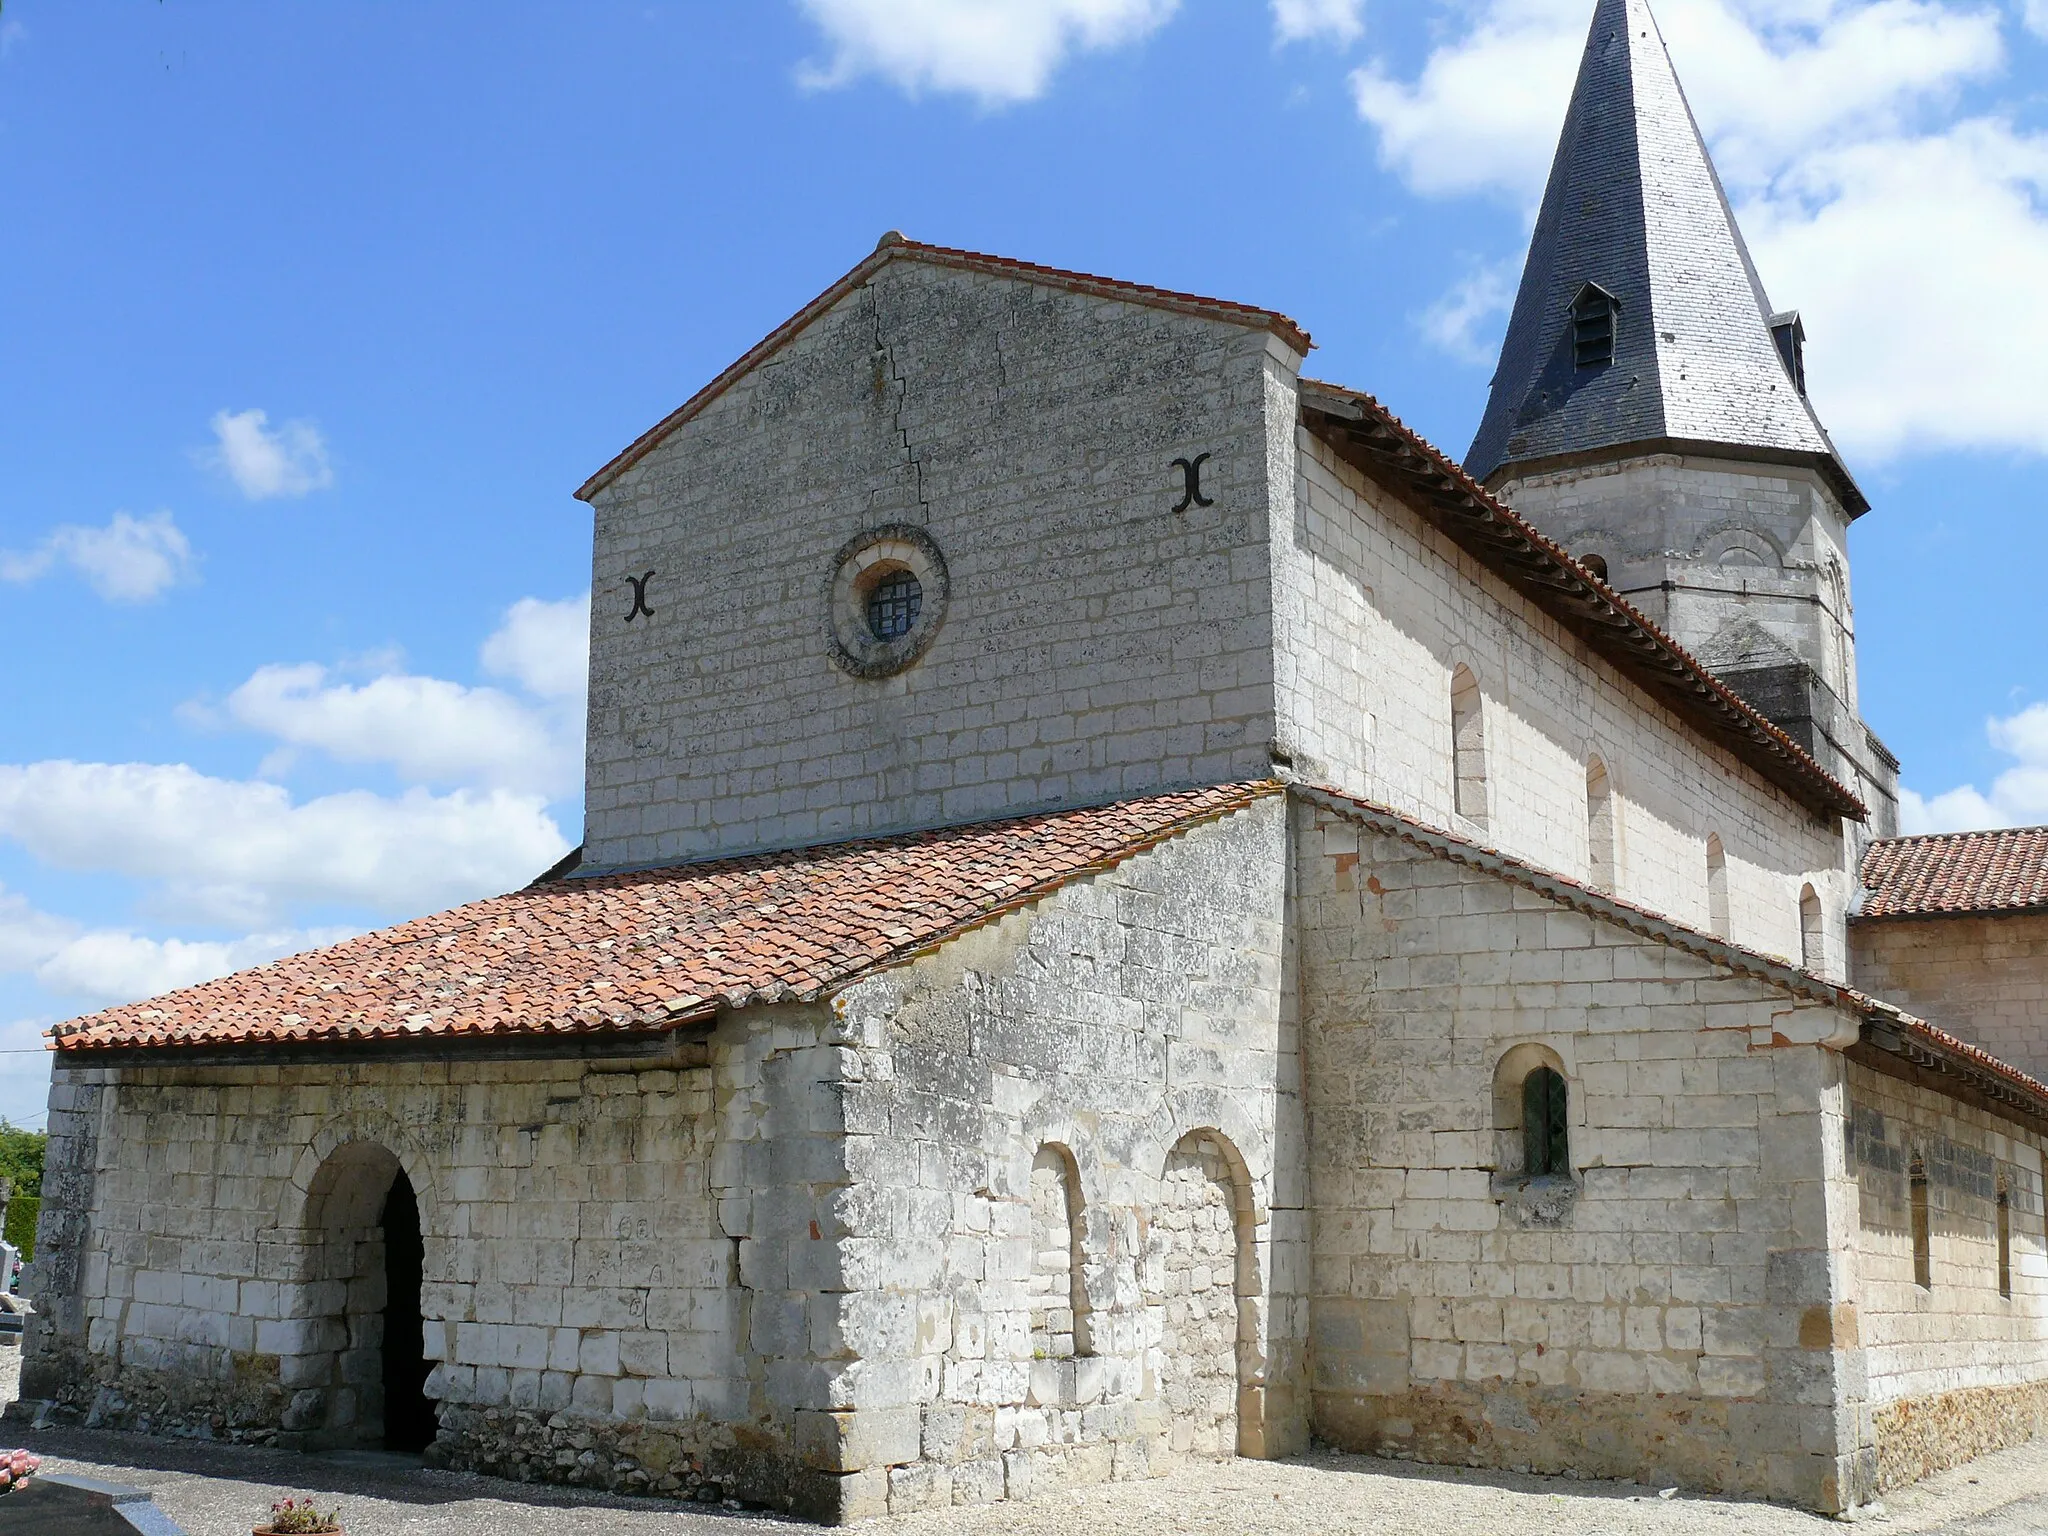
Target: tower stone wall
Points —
{"points": [[1746, 565]]}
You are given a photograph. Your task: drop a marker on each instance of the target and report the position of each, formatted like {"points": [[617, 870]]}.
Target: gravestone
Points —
{"points": [[60, 1504]]}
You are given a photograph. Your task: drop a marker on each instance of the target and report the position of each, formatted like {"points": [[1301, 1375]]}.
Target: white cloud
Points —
{"points": [[1877, 243], [2037, 17], [24, 1072], [1459, 322], [107, 966], [110, 966], [543, 646], [29, 937], [430, 730], [1339, 20], [2018, 796], [243, 851], [131, 560], [264, 464], [1866, 194], [998, 51], [1484, 113]]}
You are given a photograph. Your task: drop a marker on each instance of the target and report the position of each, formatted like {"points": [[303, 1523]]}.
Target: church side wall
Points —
{"points": [[1376, 612], [598, 1244], [1953, 1368], [1984, 978], [1665, 1310], [1097, 642], [1128, 1038]]}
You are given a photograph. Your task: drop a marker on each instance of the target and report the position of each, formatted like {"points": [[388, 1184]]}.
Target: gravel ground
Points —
{"points": [[221, 1490]]}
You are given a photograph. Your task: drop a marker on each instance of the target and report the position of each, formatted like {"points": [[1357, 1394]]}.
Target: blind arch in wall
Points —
{"points": [[1717, 887], [1600, 840], [1468, 747]]}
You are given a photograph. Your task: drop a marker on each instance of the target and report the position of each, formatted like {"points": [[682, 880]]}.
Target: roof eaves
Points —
{"points": [[1374, 440], [86, 1036], [893, 247], [1950, 1063], [1583, 898], [1936, 914], [1884, 1026]]}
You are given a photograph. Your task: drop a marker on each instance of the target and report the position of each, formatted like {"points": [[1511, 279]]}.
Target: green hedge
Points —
{"points": [[22, 1211]]}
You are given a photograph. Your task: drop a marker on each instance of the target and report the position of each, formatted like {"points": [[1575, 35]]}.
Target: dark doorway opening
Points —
{"points": [[409, 1422]]}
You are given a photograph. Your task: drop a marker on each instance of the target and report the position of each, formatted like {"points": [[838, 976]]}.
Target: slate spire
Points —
{"points": [[1641, 319]]}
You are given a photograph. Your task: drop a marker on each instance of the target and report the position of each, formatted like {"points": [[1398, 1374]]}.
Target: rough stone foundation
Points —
{"points": [[1708, 1445], [695, 1459], [1921, 1436], [237, 1399]]}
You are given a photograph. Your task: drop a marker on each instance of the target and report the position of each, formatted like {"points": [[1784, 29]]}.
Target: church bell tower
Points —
{"points": [[1650, 411]]}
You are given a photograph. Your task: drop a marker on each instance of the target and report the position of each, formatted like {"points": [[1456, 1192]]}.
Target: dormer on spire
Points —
{"points": [[1595, 314]]}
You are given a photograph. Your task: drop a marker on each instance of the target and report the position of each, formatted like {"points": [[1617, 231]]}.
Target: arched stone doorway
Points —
{"points": [[408, 1414], [362, 1378], [1198, 1262]]}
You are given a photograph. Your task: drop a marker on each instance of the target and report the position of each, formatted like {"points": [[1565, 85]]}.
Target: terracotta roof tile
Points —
{"points": [[1956, 872], [655, 949]]}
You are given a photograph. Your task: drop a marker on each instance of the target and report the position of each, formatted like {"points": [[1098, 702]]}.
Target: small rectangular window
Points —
{"points": [[1923, 1231]]}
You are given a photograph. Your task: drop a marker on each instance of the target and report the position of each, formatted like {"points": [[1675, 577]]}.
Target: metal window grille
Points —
{"points": [[893, 605], [1546, 1149]]}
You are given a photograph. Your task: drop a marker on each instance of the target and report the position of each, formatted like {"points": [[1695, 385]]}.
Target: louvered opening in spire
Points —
{"points": [[1789, 332], [1595, 313]]}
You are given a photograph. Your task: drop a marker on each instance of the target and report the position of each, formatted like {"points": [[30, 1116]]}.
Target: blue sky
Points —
{"points": [[313, 316]]}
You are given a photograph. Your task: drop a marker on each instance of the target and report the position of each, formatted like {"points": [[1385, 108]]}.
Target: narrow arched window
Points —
{"points": [[1717, 887], [1812, 946], [1923, 1227], [1468, 747], [1546, 1144], [1599, 826], [2005, 1242], [1058, 1297]]}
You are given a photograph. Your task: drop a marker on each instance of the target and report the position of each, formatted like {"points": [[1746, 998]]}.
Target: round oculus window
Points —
{"points": [[885, 600]]}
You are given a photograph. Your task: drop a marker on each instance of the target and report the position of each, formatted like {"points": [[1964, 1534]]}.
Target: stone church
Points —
{"points": [[1132, 909]]}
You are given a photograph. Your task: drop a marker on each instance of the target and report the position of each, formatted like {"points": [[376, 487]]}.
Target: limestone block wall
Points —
{"points": [[1984, 978], [1096, 642], [1667, 1308], [1953, 1367], [1376, 611], [1136, 1027], [598, 1245]]}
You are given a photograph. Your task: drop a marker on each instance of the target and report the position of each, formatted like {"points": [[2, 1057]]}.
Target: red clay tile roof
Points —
{"points": [[893, 247], [1957, 872], [656, 949]]}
